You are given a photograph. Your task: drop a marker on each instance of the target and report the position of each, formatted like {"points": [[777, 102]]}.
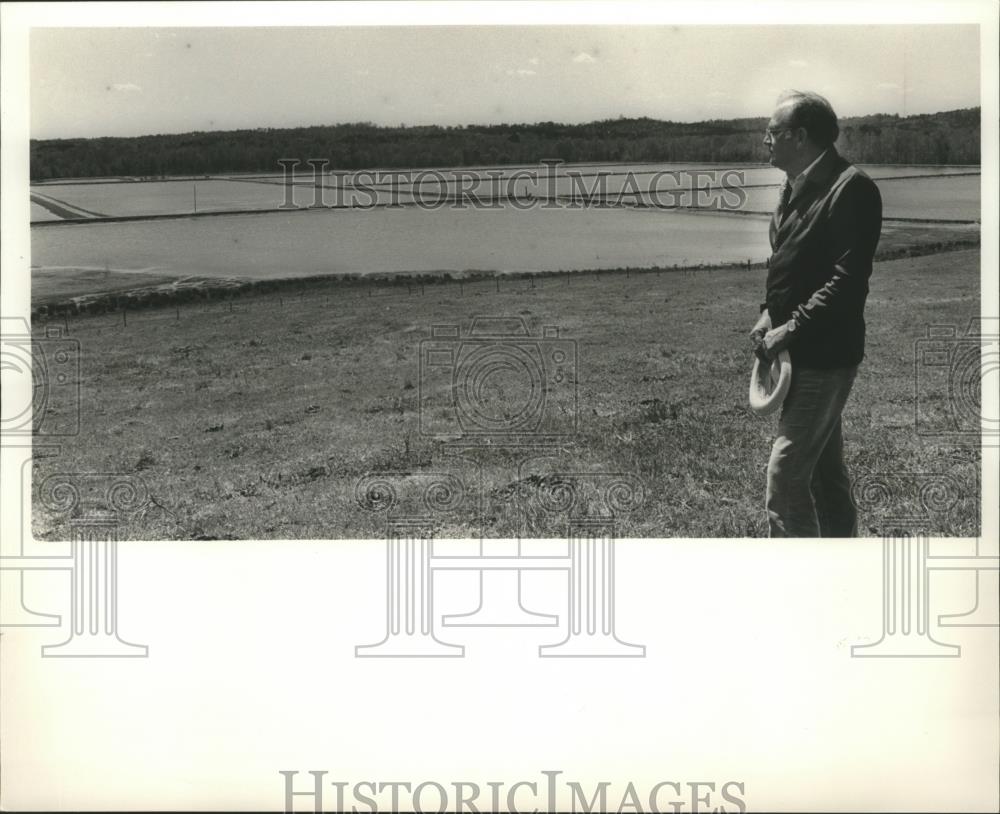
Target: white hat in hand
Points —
{"points": [[769, 383]]}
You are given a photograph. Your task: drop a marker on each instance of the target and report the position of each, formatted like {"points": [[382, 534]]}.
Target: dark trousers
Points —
{"points": [[808, 489]]}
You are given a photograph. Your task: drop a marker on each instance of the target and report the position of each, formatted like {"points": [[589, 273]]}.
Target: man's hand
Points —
{"points": [[759, 330], [776, 340]]}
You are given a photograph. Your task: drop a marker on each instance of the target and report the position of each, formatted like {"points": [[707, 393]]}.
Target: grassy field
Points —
{"points": [[255, 418]]}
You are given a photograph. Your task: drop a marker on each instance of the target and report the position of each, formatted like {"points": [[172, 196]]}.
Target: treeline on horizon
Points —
{"points": [[950, 137]]}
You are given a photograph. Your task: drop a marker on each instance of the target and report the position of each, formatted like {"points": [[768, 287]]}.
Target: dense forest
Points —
{"points": [[950, 137]]}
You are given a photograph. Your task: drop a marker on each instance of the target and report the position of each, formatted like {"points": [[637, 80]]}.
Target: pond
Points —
{"points": [[311, 242]]}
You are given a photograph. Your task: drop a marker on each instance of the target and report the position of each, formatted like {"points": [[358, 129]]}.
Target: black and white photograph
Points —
{"points": [[367, 365], [298, 265]]}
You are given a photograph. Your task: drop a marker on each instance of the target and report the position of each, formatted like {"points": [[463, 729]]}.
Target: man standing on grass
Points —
{"points": [[823, 238]]}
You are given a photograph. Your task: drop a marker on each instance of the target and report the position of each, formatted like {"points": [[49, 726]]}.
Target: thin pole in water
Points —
{"points": [[194, 188]]}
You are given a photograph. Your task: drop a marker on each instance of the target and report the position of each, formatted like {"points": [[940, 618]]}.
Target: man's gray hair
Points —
{"points": [[813, 113]]}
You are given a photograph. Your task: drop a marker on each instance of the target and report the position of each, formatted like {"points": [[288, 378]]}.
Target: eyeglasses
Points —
{"points": [[770, 133]]}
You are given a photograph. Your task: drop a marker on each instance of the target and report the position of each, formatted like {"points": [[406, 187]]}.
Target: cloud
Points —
{"points": [[126, 87], [521, 72], [887, 86], [798, 63], [533, 61], [583, 58]]}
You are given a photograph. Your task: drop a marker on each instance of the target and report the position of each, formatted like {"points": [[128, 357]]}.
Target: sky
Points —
{"points": [[88, 82]]}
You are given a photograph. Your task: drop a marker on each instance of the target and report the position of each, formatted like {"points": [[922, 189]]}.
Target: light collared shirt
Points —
{"points": [[800, 179]]}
